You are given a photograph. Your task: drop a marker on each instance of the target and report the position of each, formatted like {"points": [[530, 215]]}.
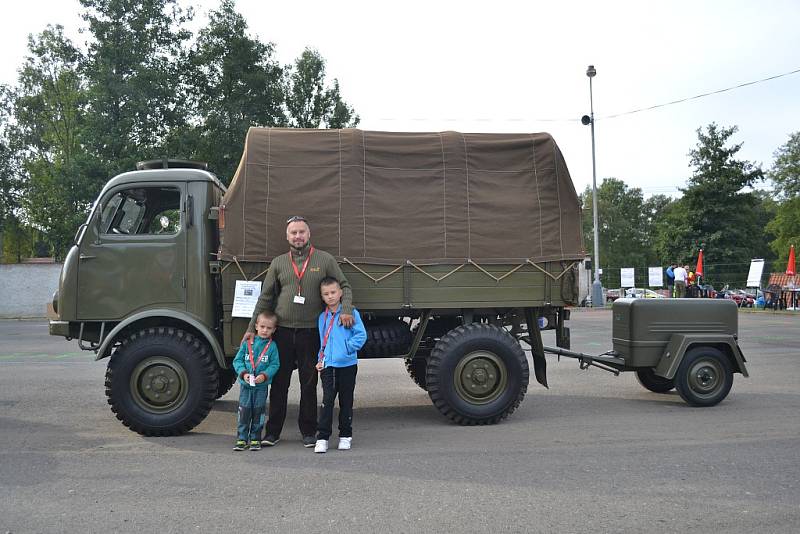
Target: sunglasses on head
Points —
{"points": [[296, 218]]}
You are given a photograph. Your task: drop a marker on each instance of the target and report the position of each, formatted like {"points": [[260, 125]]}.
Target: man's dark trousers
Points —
{"points": [[296, 347]]}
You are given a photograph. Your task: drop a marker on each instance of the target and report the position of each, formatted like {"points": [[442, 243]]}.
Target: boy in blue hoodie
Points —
{"points": [[255, 363], [338, 366]]}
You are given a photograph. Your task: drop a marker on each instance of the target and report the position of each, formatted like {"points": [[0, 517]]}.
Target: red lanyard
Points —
{"points": [[250, 351], [327, 333], [297, 273]]}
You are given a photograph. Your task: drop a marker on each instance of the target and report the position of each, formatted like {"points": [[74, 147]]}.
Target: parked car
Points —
{"points": [[642, 293], [742, 298], [612, 295]]}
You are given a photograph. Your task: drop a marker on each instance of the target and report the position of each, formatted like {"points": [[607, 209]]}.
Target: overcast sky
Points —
{"points": [[520, 67]]}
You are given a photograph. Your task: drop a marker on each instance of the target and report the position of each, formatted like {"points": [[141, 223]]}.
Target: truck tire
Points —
{"points": [[226, 378], [416, 370], [386, 339], [161, 382], [651, 381], [704, 376], [477, 374]]}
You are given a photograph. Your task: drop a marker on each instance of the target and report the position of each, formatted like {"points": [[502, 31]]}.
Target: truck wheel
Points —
{"points": [[161, 382], [704, 376], [416, 370], [226, 378], [657, 384], [477, 374], [386, 339]]}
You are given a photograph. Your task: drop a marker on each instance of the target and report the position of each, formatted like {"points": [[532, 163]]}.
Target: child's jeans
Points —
{"points": [[252, 407], [341, 381]]}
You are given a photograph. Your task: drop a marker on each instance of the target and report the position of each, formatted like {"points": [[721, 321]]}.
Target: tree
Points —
{"points": [[785, 173], [309, 103], [49, 108], [135, 75], [625, 224], [234, 84], [714, 213]]}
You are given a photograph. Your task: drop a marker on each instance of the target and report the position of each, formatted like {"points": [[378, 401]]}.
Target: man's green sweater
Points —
{"points": [[280, 287]]}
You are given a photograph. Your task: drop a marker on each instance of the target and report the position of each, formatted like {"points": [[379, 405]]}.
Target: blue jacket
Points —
{"points": [[343, 343], [267, 364], [670, 274]]}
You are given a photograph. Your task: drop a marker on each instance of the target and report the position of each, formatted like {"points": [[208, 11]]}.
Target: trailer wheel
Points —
{"points": [[161, 382], [704, 376], [651, 381], [477, 374], [416, 370], [226, 378]]}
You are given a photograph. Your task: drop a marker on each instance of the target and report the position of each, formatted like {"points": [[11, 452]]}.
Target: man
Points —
{"points": [[291, 290], [681, 275], [670, 272]]}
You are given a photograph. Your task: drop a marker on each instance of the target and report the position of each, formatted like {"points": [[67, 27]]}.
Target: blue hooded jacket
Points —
{"points": [[343, 343]]}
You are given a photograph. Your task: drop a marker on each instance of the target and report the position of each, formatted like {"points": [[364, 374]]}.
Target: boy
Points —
{"points": [[255, 363], [338, 365]]}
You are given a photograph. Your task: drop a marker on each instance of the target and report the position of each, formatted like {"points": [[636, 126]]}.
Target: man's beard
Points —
{"points": [[299, 249]]}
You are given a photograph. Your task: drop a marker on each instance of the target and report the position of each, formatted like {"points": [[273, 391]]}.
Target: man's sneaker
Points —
{"points": [[240, 445], [309, 441], [321, 446], [344, 444], [255, 445], [270, 441]]}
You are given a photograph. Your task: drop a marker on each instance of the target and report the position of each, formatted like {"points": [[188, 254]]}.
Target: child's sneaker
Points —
{"points": [[255, 445], [344, 444], [321, 446], [240, 445]]}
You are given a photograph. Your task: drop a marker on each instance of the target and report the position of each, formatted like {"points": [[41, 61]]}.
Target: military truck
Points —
{"points": [[457, 246]]}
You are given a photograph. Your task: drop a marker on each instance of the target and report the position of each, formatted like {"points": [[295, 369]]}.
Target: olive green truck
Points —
{"points": [[458, 247]]}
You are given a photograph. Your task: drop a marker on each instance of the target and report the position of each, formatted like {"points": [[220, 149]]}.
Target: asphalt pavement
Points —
{"points": [[594, 453]]}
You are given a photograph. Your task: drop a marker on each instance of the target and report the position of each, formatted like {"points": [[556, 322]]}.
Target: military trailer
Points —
{"points": [[457, 246]]}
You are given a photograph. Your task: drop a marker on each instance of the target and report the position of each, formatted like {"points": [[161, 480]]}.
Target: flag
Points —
{"points": [[790, 268], [699, 269]]}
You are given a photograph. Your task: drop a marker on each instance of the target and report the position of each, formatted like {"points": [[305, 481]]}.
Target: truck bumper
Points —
{"points": [[59, 328]]}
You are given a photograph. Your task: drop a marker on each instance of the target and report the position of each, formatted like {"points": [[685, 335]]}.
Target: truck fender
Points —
{"points": [[679, 344], [196, 324]]}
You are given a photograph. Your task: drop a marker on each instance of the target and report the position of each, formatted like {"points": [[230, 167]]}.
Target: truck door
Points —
{"points": [[133, 255]]}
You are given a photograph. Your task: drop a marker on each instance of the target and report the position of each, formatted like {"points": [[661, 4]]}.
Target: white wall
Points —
{"points": [[25, 289]]}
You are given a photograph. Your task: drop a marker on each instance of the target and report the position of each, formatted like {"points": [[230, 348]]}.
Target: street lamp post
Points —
{"points": [[597, 287]]}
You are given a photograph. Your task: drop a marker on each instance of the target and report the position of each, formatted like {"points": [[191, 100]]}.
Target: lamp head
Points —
{"points": [[586, 120], [590, 71]]}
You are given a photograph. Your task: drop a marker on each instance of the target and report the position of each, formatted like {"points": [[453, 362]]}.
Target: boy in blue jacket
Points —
{"points": [[255, 363], [338, 366]]}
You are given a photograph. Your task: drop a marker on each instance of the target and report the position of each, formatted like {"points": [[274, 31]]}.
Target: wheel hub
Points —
{"points": [[159, 384], [480, 377], [704, 378]]}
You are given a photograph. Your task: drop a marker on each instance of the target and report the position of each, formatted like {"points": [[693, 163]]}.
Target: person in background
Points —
{"points": [[671, 279], [680, 281]]}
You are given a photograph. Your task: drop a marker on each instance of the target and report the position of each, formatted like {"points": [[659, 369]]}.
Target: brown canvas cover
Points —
{"points": [[388, 197]]}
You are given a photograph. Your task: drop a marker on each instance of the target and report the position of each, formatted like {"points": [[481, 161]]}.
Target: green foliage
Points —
{"points": [[234, 84], [713, 213], [50, 110], [785, 172], [134, 74], [309, 103], [625, 224]]}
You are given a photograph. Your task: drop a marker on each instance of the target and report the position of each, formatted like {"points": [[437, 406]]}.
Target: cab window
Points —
{"points": [[142, 211]]}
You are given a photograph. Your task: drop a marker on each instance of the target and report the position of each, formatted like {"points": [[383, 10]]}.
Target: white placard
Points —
{"points": [[655, 276], [626, 277], [245, 297], [756, 270]]}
